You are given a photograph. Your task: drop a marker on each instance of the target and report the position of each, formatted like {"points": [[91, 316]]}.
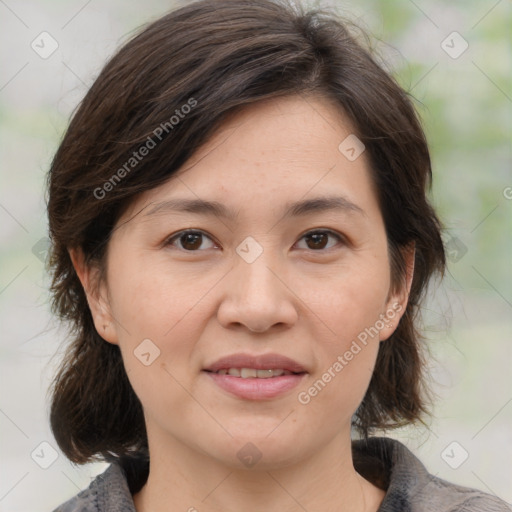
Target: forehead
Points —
{"points": [[273, 153], [288, 130]]}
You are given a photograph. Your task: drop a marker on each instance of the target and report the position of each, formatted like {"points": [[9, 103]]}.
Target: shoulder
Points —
{"points": [[108, 492], [410, 487], [434, 494]]}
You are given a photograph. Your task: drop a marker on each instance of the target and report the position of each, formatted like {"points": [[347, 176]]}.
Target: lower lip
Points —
{"points": [[256, 389]]}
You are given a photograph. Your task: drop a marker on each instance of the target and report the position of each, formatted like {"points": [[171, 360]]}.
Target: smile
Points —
{"points": [[255, 376]]}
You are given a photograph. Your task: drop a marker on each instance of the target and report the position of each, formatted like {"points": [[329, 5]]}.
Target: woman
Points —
{"points": [[241, 240]]}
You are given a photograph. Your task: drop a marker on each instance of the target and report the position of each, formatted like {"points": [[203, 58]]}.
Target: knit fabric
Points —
{"points": [[385, 462]]}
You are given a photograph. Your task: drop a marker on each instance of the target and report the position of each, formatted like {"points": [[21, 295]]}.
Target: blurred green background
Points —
{"points": [[465, 102]]}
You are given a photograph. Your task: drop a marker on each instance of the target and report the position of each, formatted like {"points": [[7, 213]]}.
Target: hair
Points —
{"points": [[207, 60]]}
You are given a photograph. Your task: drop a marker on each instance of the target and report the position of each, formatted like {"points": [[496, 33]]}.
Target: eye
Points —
{"points": [[318, 240], [190, 240]]}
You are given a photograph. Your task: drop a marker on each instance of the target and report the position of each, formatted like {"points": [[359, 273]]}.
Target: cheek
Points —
{"points": [[346, 359], [347, 342], [349, 302], [158, 318], [153, 302]]}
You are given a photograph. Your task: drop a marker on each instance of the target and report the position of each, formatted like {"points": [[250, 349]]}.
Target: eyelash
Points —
{"points": [[177, 236]]}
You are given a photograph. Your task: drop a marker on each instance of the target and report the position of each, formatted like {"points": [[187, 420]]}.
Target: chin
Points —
{"points": [[265, 450]]}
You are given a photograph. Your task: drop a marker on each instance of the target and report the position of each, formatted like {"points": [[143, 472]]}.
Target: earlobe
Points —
{"points": [[397, 302], [95, 291]]}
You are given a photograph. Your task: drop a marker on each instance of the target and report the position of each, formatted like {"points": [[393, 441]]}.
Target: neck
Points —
{"points": [[181, 478]]}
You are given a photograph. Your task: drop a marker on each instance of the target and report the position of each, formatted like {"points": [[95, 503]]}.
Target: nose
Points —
{"points": [[257, 296]]}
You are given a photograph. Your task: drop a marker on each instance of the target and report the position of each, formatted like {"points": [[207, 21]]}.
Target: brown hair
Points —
{"points": [[217, 56]]}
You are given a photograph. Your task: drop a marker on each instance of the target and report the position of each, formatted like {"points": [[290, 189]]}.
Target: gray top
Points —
{"points": [[385, 462]]}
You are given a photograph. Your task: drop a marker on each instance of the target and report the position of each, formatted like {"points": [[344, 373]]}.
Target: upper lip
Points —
{"points": [[258, 362]]}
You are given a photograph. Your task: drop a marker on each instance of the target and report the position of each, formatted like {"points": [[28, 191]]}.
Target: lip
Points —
{"points": [[259, 362], [254, 388]]}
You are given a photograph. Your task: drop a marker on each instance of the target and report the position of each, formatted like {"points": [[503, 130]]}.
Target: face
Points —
{"points": [[288, 271]]}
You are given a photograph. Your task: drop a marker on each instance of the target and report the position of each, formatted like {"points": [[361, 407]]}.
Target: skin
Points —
{"points": [[306, 301]]}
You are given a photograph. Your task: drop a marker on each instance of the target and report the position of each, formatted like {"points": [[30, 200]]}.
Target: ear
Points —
{"points": [[397, 301], [97, 297]]}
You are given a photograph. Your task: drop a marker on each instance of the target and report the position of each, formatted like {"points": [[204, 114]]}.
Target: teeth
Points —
{"points": [[252, 373], [265, 374], [245, 373]]}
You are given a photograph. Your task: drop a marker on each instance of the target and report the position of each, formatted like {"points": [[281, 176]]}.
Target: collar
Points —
{"points": [[385, 462]]}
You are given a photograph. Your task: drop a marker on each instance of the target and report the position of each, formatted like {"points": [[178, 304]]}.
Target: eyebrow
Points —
{"points": [[217, 209]]}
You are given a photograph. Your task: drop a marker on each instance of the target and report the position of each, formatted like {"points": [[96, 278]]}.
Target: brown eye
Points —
{"points": [[190, 241], [318, 240]]}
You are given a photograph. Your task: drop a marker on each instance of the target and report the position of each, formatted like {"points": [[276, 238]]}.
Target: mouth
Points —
{"points": [[253, 373], [259, 377], [247, 364]]}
